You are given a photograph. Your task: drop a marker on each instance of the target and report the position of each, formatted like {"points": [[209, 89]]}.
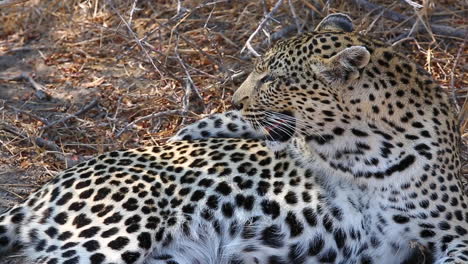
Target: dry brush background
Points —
{"points": [[78, 78]]}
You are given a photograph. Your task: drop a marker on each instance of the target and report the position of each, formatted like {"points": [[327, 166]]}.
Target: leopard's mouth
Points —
{"points": [[278, 126]]}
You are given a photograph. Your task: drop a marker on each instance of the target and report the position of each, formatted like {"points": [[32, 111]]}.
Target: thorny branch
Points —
{"points": [[184, 12], [392, 15], [294, 15], [464, 111], [137, 40], [83, 110], [36, 117], [190, 86], [265, 19], [195, 46], [70, 160]]}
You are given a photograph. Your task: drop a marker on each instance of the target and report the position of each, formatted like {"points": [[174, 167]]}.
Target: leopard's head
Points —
{"points": [[365, 109]]}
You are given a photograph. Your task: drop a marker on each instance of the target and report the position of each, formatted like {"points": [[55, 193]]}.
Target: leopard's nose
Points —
{"points": [[238, 105], [238, 102], [241, 98]]}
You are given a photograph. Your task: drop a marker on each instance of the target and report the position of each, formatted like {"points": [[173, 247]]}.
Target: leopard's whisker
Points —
{"points": [[263, 129], [305, 128], [299, 122], [281, 128]]}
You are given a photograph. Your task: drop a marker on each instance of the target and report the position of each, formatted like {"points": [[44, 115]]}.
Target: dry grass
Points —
{"points": [[78, 78]]}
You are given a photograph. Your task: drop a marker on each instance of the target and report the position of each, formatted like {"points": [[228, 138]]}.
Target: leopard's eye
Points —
{"points": [[267, 78]]}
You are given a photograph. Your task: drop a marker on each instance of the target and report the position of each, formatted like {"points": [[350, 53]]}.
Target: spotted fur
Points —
{"points": [[369, 172], [224, 125]]}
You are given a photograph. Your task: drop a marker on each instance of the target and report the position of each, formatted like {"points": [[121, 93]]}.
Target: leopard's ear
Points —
{"points": [[344, 66], [336, 22]]}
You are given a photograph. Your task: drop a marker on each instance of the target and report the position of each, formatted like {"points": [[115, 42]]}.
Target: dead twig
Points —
{"points": [[414, 4], [25, 76], [47, 144], [69, 160], [6, 3], [440, 30], [27, 48], [191, 91], [162, 67], [13, 193], [452, 77], [396, 42], [151, 116], [195, 46], [462, 116], [83, 110], [183, 12], [40, 93], [18, 185], [463, 112], [189, 86], [36, 117], [265, 19], [137, 40], [132, 11], [296, 19], [283, 33]]}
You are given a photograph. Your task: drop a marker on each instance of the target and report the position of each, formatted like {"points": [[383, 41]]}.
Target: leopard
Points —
{"points": [[228, 124], [367, 171]]}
